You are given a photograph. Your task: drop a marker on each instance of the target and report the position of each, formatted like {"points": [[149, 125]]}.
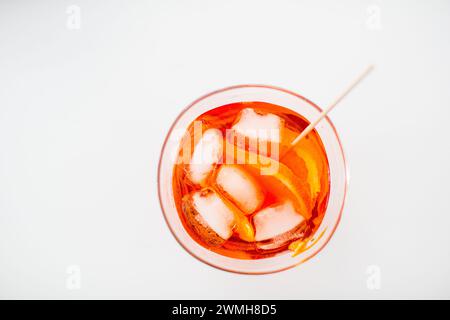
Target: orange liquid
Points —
{"points": [[306, 164]]}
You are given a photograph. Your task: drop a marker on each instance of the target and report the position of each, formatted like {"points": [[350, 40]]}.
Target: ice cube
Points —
{"points": [[207, 153], [259, 127], [210, 212], [283, 239], [241, 187], [275, 220]]}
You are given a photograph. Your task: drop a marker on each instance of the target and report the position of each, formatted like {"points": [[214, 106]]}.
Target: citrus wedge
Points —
{"points": [[275, 177]]}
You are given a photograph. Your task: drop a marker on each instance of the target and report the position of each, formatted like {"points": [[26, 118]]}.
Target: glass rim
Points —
{"points": [[276, 88]]}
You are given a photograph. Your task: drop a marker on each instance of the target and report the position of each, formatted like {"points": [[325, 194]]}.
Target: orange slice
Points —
{"points": [[307, 150], [273, 175]]}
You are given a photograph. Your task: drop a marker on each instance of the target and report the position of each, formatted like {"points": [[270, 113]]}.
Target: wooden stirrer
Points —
{"points": [[323, 114]]}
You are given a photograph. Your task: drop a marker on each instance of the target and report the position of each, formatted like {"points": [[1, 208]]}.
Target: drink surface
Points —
{"points": [[239, 189]]}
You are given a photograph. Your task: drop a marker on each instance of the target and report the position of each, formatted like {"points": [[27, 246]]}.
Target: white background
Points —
{"points": [[83, 114]]}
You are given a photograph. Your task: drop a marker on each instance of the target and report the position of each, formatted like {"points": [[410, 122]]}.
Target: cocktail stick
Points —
{"points": [[323, 114]]}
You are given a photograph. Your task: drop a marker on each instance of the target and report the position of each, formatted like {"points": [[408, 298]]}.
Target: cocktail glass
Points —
{"points": [[337, 176]]}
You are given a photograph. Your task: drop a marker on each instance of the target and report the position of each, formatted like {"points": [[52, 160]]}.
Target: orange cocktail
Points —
{"points": [[239, 189]]}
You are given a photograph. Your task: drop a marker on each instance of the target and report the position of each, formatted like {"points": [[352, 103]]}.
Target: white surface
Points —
{"points": [[83, 114]]}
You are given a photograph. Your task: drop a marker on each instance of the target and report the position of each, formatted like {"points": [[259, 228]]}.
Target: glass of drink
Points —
{"points": [[234, 192]]}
